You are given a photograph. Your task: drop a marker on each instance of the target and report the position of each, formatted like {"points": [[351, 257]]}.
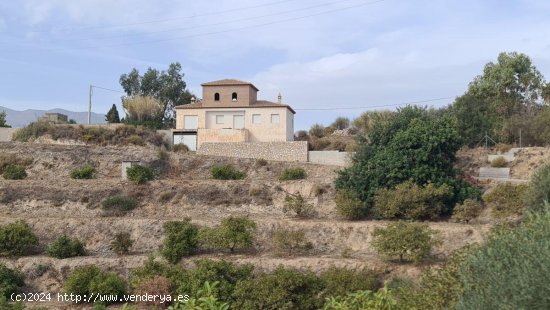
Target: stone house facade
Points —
{"points": [[231, 112]]}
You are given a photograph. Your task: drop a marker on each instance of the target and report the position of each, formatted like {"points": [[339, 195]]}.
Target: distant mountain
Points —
{"points": [[18, 119]]}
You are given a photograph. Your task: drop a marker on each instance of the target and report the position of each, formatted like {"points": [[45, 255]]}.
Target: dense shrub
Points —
{"points": [[510, 271], [121, 244], [260, 162], [107, 283], [506, 199], [11, 281], [297, 206], [118, 205], [296, 173], [499, 162], [318, 144], [283, 288], [317, 130], [339, 281], [467, 211], [438, 288], [539, 188], [7, 159], [411, 202], [140, 174], [64, 247], [227, 172], [363, 299], [405, 240], [180, 148], [226, 274], [181, 239], [290, 241], [84, 172], [412, 145], [14, 172], [234, 233], [162, 154], [203, 299], [32, 131], [349, 206], [16, 239], [86, 280]]}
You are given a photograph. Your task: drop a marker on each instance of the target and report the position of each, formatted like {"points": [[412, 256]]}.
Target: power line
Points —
{"points": [[186, 17], [113, 90], [375, 107], [239, 28], [212, 24]]}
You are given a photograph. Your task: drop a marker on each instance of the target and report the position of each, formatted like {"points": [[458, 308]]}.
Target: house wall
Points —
{"points": [[293, 151], [245, 95], [263, 132]]}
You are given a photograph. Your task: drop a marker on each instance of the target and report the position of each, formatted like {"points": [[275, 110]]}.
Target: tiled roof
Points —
{"points": [[228, 82]]}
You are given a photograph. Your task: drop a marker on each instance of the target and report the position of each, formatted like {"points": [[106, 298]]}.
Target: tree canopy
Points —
{"points": [[502, 100], [3, 119], [112, 116], [413, 144], [166, 86]]}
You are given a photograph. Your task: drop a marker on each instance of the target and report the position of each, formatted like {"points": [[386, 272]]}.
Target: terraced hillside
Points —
{"points": [[54, 204]]}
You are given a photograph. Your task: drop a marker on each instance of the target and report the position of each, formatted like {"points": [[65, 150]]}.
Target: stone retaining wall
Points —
{"points": [[279, 151]]}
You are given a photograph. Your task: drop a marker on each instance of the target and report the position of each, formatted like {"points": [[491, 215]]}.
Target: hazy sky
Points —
{"points": [[318, 54]]}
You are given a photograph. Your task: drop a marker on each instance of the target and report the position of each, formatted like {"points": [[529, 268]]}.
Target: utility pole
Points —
{"points": [[90, 105]]}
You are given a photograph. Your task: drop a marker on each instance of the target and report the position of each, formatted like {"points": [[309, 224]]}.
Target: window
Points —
{"points": [[217, 97], [219, 119], [256, 118], [275, 118], [234, 97]]}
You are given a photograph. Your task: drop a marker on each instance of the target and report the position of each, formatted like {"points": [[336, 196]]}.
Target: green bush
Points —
{"points": [[181, 240], [16, 239], [339, 281], [410, 201], [84, 172], [233, 233], [290, 241], [438, 288], [499, 162], [33, 131], [7, 159], [506, 199], [297, 206], [122, 243], [87, 280], [14, 172], [283, 288], [140, 174], [296, 173], [349, 206], [467, 211], [227, 172], [539, 188], [203, 299], [510, 271], [413, 144], [11, 281], [226, 274], [118, 205], [108, 283], [363, 299], [64, 247], [405, 240]]}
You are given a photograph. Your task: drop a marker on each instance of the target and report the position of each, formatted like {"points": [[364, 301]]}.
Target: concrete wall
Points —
{"points": [[6, 134], [221, 135], [295, 151], [335, 158]]}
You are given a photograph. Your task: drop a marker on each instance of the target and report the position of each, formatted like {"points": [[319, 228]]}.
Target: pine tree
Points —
{"points": [[112, 115]]}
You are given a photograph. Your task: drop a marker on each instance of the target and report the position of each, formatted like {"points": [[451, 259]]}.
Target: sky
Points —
{"points": [[327, 58]]}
